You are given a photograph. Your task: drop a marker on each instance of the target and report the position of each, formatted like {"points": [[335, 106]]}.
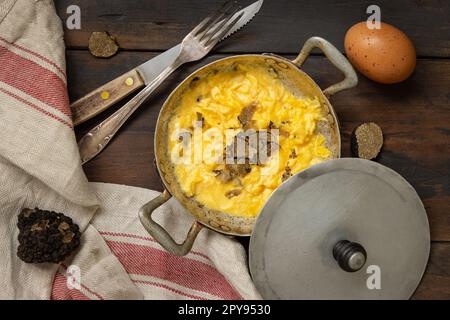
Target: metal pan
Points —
{"points": [[296, 80]]}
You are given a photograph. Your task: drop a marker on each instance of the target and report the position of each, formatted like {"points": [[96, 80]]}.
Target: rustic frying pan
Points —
{"points": [[296, 80]]}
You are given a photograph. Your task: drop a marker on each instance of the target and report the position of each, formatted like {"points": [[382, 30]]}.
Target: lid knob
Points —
{"points": [[350, 256]]}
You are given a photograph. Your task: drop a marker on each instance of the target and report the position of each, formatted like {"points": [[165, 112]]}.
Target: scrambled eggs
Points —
{"points": [[247, 96]]}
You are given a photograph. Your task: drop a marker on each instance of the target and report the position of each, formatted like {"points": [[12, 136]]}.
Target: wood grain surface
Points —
{"points": [[414, 115], [280, 27]]}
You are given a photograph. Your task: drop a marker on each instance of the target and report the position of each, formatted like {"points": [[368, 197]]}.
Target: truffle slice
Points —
{"points": [[231, 172], [286, 174], [246, 115], [233, 193], [367, 141], [46, 236], [102, 45]]}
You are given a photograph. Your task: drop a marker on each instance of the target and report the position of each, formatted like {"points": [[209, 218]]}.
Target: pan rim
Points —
{"points": [[250, 220]]}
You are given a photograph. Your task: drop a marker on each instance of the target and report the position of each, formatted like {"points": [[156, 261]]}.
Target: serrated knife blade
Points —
{"points": [[150, 69]]}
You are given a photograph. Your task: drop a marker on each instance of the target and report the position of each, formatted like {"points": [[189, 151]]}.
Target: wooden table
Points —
{"points": [[414, 115]]}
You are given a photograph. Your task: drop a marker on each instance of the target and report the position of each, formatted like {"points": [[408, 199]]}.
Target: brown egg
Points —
{"points": [[385, 55]]}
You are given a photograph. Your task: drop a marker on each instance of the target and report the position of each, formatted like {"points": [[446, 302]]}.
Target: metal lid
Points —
{"points": [[342, 229]]}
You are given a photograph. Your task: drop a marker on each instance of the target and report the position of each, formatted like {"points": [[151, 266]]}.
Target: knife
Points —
{"points": [[105, 96]]}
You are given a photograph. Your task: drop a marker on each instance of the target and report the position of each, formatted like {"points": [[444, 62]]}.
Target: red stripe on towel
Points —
{"points": [[34, 80], [60, 291], [160, 285], [134, 236], [189, 273], [36, 55], [51, 115]]}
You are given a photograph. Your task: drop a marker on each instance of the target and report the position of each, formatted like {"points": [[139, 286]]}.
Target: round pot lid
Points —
{"points": [[342, 229]]}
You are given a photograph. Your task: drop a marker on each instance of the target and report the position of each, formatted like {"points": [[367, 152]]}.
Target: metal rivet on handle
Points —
{"points": [[129, 81], [104, 95]]}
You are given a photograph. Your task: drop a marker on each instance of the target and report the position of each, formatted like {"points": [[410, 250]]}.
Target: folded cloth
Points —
{"points": [[40, 167]]}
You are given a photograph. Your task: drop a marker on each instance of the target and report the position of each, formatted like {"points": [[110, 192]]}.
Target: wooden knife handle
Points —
{"points": [[105, 96]]}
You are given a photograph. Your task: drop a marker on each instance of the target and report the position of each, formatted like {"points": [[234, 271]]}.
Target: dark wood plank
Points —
{"points": [[435, 283], [414, 116], [281, 26]]}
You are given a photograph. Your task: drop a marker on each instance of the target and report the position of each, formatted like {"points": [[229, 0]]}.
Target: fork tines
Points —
{"points": [[210, 23]]}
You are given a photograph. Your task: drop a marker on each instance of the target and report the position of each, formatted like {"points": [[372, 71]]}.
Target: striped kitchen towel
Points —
{"points": [[40, 167]]}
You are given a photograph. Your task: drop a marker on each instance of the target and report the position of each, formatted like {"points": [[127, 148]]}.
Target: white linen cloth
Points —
{"points": [[40, 167]]}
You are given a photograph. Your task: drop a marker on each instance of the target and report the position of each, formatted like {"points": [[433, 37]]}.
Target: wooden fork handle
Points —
{"points": [[105, 96]]}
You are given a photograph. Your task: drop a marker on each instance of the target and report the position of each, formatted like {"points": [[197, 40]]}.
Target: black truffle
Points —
{"points": [[102, 45], [46, 236], [367, 141]]}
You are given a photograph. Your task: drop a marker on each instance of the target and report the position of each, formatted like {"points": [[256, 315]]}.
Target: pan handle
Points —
{"points": [[160, 234], [336, 58]]}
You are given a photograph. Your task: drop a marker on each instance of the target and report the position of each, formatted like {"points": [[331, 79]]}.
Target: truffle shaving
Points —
{"points": [[102, 45], [233, 193], [367, 141], [246, 115]]}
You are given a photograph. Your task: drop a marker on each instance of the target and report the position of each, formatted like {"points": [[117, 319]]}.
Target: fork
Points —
{"points": [[193, 47]]}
